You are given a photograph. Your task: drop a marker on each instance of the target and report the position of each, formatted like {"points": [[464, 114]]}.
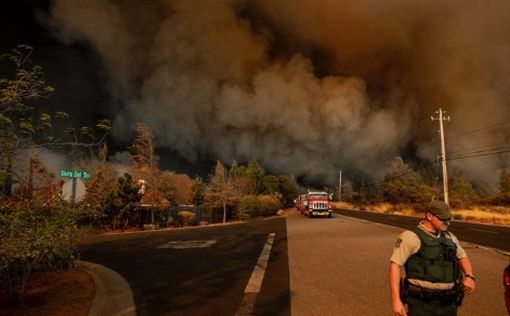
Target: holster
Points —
{"points": [[459, 288], [403, 290]]}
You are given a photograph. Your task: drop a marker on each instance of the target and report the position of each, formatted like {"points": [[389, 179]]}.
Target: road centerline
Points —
{"points": [[255, 282]]}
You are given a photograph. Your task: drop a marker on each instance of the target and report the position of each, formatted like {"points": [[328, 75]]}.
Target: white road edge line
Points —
{"points": [[255, 282], [483, 230]]}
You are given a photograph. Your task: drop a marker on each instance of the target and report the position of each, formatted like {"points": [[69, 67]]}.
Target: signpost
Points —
{"points": [[74, 174]]}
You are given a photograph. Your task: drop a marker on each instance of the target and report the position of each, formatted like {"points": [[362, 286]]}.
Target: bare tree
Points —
{"points": [[220, 191]]}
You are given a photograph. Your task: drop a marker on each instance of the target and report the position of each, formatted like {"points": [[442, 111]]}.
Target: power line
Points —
{"points": [[478, 130], [461, 154], [468, 133], [489, 150], [479, 155], [482, 148]]}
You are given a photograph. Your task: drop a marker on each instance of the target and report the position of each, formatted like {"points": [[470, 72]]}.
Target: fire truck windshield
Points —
{"points": [[318, 196]]}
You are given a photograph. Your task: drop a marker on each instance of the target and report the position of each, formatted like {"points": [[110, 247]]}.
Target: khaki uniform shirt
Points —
{"points": [[408, 243]]}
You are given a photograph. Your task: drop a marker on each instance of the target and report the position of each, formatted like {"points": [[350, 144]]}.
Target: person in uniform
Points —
{"points": [[438, 271]]}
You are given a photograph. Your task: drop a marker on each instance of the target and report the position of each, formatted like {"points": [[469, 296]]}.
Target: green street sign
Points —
{"points": [[75, 174]]}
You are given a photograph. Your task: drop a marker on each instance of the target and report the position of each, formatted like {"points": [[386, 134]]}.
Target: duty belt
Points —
{"points": [[444, 297]]}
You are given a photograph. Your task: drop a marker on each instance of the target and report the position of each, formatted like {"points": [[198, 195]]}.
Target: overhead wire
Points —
{"points": [[472, 149], [468, 133], [478, 130], [480, 151], [469, 153], [478, 155]]}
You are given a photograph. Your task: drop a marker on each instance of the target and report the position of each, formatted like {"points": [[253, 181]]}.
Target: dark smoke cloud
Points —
{"points": [[305, 87]]}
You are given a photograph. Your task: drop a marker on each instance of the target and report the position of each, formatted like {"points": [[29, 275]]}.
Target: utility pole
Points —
{"points": [[442, 118], [340, 187]]}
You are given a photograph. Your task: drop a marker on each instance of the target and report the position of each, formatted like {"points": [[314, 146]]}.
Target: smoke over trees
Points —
{"points": [[303, 87]]}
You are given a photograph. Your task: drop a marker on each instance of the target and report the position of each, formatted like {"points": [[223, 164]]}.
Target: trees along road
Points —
{"points": [[339, 266]]}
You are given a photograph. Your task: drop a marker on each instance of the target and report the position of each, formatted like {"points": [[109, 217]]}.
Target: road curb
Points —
{"points": [[113, 295]]}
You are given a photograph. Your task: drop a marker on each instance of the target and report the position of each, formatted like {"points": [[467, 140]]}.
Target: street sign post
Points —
{"points": [[74, 174], [79, 192]]}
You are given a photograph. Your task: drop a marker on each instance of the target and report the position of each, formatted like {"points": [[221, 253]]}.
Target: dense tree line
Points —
{"points": [[120, 202], [403, 184]]}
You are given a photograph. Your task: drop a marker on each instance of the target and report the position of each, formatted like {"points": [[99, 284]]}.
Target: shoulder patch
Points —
{"points": [[398, 242]]}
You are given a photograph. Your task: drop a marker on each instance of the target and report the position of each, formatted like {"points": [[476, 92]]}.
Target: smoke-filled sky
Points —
{"points": [[305, 87]]}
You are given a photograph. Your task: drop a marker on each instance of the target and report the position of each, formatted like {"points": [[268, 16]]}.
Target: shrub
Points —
{"points": [[84, 232], [169, 220], [249, 206], [501, 199], [269, 204], [462, 192], [35, 239], [402, 184], [184, 218]]}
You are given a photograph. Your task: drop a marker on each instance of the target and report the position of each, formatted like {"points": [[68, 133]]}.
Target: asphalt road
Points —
{"points": [[339, 266], [198, 281], [486, 235], [320, 266]]}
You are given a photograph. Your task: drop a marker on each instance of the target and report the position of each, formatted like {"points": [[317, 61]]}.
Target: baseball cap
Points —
{"points": [[440, 209]]}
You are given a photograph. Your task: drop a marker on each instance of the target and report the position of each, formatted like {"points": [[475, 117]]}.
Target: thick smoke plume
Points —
{"points": [[305, 87]]}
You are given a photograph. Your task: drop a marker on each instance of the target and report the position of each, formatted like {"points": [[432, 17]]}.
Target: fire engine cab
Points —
{"points": [[314, 203]]}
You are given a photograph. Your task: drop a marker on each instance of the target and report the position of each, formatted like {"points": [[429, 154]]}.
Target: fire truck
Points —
{"points": [[314, 203]]}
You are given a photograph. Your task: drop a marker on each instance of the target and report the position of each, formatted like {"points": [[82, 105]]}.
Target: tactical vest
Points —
{"points": [[435, 261]]}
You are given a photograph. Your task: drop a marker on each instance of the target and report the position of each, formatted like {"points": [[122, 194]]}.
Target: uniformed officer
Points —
{"points": [[438, 271]]}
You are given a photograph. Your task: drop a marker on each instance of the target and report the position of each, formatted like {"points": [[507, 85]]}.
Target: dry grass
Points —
{"points": [[398, 209], [480, 214], [484, 214], [385, 208], [345, 205]]}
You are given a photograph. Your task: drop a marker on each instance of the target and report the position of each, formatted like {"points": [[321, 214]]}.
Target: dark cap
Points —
{"points": [[440, 209]]}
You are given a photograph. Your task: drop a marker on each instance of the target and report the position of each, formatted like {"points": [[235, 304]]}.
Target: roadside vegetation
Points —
{"points": [[37, 228], [407, 191]]}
